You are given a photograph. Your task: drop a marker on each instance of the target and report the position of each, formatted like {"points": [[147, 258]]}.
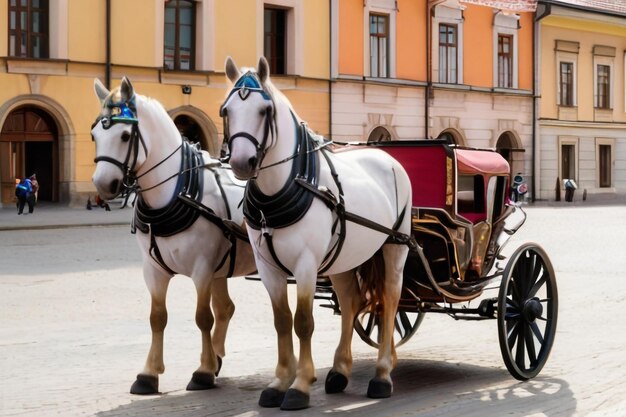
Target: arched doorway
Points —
{"points": [[508, 146], [379, 134], [29, 145], [191, 130], [196, 126], [451, 136]]}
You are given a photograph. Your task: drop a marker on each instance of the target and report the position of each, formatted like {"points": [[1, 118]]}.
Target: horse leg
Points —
{"points": [[346, 287], [157, 281], [204, 377], [381, 385], [223, 308], [285, 372], [298, 395]]}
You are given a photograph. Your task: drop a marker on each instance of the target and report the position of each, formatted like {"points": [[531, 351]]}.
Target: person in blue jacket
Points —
{"points": [[24, 194]]}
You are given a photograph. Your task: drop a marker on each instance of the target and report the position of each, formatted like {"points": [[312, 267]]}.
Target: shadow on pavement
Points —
{"points": [[421, 388]]}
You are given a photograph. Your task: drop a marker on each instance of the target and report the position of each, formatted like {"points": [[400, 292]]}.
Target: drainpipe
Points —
{"points": [[539, 14], [430, 4], [428, 71], [108, 45], [330, 69]]}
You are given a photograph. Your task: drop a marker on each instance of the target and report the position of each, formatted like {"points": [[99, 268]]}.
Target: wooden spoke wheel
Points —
{"points": [[527, 311], [367, 326]]}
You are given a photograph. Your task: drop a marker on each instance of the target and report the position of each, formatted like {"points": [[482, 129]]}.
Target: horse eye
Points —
{"points": [[263, 112], [125, 136]]}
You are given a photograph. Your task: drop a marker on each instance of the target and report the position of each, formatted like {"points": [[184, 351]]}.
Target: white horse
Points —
{"points": [[309, 212], [186, 214]]}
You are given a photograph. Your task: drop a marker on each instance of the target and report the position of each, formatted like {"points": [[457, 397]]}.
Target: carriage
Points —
{"points": [[446, 207], [462, 218]]}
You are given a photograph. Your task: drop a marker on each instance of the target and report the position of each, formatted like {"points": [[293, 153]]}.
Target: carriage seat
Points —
{"points": [[466, 207]]}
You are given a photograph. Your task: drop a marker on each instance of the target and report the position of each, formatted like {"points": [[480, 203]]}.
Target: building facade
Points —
{"points": [[460, 70], [546, 88], [171, 50], [582, 89]]}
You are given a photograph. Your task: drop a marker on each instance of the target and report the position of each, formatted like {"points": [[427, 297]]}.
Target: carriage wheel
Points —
{"points": [[527, 311], [367, 325]]}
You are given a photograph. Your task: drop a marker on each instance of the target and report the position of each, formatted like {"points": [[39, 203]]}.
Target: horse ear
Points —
{"points": [[232, 72], [101, 91], [126, 89], [263, 70]]}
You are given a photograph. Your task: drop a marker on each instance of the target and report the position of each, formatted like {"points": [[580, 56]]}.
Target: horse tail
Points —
{"points": [[372, 279]]}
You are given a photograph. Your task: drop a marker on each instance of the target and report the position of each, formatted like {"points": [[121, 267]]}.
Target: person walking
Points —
{"points": [[35, 185], [24, 194]]}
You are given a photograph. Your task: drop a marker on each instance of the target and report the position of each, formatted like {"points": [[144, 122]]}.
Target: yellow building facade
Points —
{"points": [[51, 51], [582, 89]]}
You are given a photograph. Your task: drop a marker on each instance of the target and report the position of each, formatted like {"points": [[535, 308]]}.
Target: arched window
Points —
{"points": [[180, 35]]}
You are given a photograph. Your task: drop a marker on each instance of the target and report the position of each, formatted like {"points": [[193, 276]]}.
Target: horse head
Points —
{"points": [[249, 117], [120, 149]]}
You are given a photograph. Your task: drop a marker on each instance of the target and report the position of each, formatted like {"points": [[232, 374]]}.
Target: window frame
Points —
{"points": [[446, 71], [448, 12], [18, 32], [274, 57], [606, 62], [177, 30], [570, 92], [385, 67], [506, 25], [505, 82]]}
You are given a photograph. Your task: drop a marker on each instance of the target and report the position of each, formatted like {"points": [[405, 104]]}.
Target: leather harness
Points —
{"points": [[291, 203], [185, 207]]}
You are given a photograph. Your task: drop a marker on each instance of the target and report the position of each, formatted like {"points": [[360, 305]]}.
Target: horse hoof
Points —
{"points": [[335, 382], [295, 400], [219, 366], [271, 398], [201, 381], [145, 385], [379, 388]]}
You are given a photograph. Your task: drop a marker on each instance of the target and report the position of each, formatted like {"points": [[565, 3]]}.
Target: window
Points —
{"points": [[604, 167], [180, 31], [379, 45], [505, 61], [566, 82], [447, 53], [568, 161], [274, 44], [28, 28], [603, 83]]}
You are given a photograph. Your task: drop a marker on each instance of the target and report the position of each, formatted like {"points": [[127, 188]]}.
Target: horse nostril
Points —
{"points": [[114, 186], [252, 162]]}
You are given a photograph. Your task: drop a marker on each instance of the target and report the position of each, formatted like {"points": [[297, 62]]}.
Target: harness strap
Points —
{"points": [[155, 253], [270, 247]]}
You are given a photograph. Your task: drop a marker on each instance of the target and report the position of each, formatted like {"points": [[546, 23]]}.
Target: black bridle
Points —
{"points": [[246, 84], [124, 112]]}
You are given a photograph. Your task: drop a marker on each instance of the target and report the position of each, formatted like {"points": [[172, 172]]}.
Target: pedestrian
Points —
{"points": [[24, 194], [35, 185]]}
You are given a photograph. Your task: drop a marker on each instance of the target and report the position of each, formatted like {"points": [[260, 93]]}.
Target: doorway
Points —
{"points": [[29, 145]]}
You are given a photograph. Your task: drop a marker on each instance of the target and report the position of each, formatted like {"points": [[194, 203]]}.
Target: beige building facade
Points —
{"points": [[582, 88]]}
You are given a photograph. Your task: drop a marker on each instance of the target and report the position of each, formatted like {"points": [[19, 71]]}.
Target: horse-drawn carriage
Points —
{"points": [[462, 219], [313, 210]]}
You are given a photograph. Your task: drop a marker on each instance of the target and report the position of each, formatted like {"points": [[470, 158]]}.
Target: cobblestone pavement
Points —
{"points": [[74, 332]]}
